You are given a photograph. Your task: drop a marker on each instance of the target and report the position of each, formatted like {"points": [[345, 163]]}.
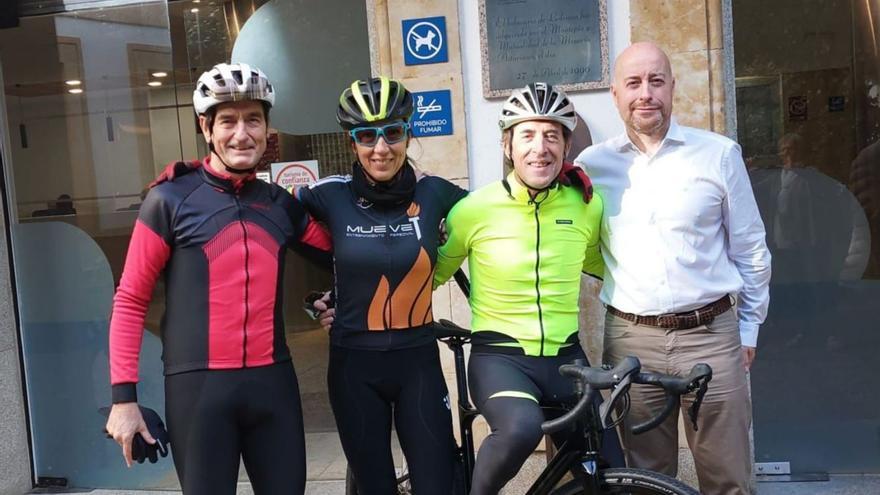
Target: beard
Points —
{"points": [[648, 126]]}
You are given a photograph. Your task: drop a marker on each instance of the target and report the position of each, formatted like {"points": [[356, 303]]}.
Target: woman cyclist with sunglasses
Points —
{"points": [[384, 364]]}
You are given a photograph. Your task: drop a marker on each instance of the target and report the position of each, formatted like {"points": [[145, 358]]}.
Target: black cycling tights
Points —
{"points": [[368, 388], [509, 391], [216, 417]]}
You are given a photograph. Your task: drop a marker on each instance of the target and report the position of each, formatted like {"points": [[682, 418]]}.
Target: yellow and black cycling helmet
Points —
{"points": [[375, 100]]}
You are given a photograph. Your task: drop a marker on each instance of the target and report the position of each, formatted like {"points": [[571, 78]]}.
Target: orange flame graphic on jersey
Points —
{"points": [[410, 303]]}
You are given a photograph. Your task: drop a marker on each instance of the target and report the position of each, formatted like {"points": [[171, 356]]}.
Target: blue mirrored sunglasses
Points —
{"points": [[369, 136]]}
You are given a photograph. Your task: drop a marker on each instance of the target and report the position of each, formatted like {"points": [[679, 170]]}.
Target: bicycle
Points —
{"points": [[585, 421], [579, 455]]}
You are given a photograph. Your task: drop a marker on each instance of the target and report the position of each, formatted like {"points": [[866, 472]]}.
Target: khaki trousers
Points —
{"points": [[721, 445]]}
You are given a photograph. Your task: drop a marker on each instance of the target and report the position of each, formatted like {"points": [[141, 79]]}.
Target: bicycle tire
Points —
{"points": [[404, 487], [629, 481]]}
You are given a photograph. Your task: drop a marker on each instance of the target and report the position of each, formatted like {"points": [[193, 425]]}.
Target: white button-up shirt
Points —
{"points": [[681, 228]]}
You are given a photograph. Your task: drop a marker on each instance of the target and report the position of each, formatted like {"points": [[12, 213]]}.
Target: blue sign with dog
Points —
{"points": [[424, 41]]}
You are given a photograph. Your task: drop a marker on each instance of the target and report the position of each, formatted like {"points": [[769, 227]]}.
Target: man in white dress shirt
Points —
{"points": [[687, 269]]}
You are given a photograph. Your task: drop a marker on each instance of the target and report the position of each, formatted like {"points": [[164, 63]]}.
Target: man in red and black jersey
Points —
{"points": [[219, 236]]}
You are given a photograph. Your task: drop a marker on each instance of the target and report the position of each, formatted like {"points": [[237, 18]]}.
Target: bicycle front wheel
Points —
{"points": [[626, 481]]}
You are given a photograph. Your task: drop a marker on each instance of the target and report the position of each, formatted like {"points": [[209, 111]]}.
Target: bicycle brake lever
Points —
{"points": [[694, 410], [604, 410]]}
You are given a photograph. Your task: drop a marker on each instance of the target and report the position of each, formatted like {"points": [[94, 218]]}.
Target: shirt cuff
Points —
{"points": [[748, 333], [124, 392]]}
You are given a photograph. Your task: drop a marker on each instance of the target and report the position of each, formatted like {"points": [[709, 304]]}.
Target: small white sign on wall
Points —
{"points": [[293, 175]]}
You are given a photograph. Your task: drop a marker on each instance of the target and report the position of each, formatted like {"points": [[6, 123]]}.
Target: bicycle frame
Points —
{"points": [[579, 454], [467, 413]]}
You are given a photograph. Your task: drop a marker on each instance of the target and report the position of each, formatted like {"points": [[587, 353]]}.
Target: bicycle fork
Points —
{"points": [[584, 467]]}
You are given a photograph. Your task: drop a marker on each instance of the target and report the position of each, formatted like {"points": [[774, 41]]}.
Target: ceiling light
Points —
{"points": [[154, 83], [73, 82], [160, 74], [75, 91], [193, 10]]}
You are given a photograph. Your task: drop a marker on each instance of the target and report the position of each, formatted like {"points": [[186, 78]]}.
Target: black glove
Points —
{"points": [[140, 449]]}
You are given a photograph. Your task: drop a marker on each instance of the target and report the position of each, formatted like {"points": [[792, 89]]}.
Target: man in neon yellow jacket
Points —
{"points": [[527, 239]]}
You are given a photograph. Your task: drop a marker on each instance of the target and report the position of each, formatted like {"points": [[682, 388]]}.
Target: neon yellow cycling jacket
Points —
{"points": [[525, 257]]}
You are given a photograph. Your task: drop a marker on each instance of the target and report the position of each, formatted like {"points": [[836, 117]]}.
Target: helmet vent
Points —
{"points": [[231, 82], [538, 101]]}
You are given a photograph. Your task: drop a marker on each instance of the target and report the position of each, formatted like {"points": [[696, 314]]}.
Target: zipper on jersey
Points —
{"points": [[247, 278], [537, 269], [388, 269]]}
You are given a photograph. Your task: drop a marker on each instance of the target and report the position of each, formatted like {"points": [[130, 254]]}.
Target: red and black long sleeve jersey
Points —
{"points": [[220, 243]]}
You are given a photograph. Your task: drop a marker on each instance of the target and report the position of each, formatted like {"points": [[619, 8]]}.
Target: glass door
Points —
{"points": [[808, 112], [85, 92], [98, 99]]}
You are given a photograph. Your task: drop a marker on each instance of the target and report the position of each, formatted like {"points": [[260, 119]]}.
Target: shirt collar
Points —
{"points": [[673, 134], [223, 180], [622, 143]]}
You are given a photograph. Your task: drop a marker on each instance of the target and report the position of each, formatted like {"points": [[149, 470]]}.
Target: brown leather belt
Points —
{"points": [[678, 321]]}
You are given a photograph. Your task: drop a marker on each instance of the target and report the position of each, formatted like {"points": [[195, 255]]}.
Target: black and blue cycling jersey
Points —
{"points": [[384, 258]]}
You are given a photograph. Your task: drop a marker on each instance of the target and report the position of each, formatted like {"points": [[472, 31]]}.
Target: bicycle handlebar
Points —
{"points": [[591, 380], [619, 378], [674, 386]]}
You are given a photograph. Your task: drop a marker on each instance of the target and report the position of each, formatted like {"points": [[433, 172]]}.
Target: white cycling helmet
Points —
{"points": [[538, 101], [231, 82]]}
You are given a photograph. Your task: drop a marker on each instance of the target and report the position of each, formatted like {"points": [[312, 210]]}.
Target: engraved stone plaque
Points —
{"points": [[562, 42]]}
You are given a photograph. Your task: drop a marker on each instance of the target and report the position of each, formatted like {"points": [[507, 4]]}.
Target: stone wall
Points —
{"points": [[691, 33], [441, 155]]}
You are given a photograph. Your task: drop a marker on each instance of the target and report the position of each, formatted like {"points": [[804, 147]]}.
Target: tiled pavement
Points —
{"points": [[838, 485], [326, 464]]}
